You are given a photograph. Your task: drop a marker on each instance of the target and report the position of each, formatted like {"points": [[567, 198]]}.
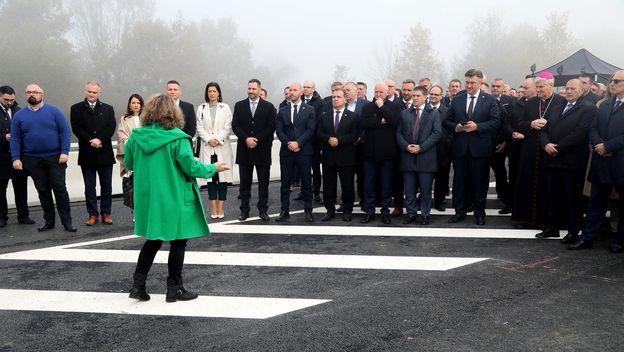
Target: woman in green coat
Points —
{"points": [[167, 201]]}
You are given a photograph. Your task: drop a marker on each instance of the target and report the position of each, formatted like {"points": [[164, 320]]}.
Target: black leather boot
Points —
{"points": [[138, 288], [176, 291]]}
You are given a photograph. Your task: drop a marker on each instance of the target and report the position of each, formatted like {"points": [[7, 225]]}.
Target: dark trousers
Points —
{"points": [[316, 172], [414, 181], [20, 191], [470, 184], [217, 190], [330, 182], [385, 169], [397, 187], [288, 164], [597, 208], [174, 262], [49, 176], [441, 188], [497, 163], [105, 174], [245, 173], [564, 192]]}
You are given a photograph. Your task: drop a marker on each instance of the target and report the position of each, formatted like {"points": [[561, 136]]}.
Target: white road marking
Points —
{"points": [[119, 303], [253, 259]]}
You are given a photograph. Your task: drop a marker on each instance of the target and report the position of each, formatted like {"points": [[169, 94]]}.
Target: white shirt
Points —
{"points": [[136, 120], [350, 107], [436, 106], [408, 103], [476, 95], [292, 110], [339, 116]]}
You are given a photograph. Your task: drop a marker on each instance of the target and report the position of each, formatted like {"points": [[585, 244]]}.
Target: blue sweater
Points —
{"points": [[41, 134]]}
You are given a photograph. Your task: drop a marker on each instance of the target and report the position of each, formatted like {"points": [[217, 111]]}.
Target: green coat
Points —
{"points": [[167, 203]]}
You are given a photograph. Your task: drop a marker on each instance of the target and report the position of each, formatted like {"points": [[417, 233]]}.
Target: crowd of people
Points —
{"points": [[549, 153]]}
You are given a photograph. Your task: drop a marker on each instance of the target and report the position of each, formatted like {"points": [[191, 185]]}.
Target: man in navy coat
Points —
{"points": [[295, 126], [472, 116]]}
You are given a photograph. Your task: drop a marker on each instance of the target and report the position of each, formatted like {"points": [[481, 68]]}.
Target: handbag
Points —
{"points": [[127, 186]]}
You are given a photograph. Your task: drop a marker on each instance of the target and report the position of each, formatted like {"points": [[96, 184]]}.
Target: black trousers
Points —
{"points": [[288, 164], [49, 177], [330, 186], [441, 186], [105, 174], [20, 191], [564, 192], [316, 172], [497, 163], [470, 182], [246, 177], [174, 262]]}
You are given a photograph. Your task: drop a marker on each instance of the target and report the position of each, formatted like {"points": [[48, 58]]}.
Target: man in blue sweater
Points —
{"points": [[40, 141]]}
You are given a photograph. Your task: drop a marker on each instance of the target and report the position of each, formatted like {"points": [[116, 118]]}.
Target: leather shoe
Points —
{"points": [[385, 218], [440, 207], [46, 227], [283, 215], [615, 247], [317, 198], [106, 219], [581, 244], [409, 219], [425, 220], [264, 216], [506, 210], [70, 228], [340, 209], [328, 216], [480, 220], [397, 211], [243, 216], [548, 234], [26, 221], [456, 218], [347, 217], [92, 220], [308, 216], [569, 239], [367, 218], [299, 196]]}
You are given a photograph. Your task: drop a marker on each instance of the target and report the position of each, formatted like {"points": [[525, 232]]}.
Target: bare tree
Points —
{"points": [[381, 67], [416, 58]]}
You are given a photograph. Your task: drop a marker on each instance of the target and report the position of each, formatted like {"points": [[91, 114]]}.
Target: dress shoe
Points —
{"points": [[385, 218], [615, 247], [243, 216], [569, 239], [425, 220], [92, 220], [283, 215], [397, 211], [106, 219], [308, 216], [409, 219], [264, 216], [367, 218], [317, 198], [548, 234], [347, 217], [299, 196], [506, 210], [328, 216], [440, 207], [456, 218], [70, 228], [46, 227], [581, 244], [3, 223], [340, 209], [26, 221], [480, 220]]}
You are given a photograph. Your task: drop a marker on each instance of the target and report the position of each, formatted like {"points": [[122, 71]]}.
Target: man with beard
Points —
{"points": [[40, 142]]}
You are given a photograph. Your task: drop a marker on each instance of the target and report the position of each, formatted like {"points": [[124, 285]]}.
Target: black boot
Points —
{"points": [[176, 291], [138, 288]]}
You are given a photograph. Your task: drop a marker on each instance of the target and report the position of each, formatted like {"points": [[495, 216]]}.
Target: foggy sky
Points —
{"points": [[313, 36]]}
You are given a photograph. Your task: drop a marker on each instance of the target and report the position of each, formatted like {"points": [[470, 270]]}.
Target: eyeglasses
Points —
{"points": [[616, 81], [32, 92]]}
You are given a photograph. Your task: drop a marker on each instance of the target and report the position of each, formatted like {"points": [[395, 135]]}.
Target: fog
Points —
{"points": [[138, 46]]}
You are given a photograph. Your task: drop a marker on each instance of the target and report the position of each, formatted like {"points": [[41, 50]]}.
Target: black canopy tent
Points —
{"points": [[581, 61]]}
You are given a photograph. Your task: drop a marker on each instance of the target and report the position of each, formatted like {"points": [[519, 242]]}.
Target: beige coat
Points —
{"points": [[126, 124], [220, 130]]}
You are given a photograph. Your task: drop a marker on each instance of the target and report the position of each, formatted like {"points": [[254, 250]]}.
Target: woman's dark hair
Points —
{"points": [[141, 101], [216, 85]]}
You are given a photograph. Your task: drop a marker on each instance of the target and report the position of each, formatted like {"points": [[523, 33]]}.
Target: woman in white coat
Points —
{"points": [[214, 125]]}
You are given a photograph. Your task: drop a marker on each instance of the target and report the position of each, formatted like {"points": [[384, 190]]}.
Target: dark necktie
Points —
{"points": [[471, 107], [415, 126], [294, 114], [568, 107], [336, 121], [617, 105], [307, 100]]}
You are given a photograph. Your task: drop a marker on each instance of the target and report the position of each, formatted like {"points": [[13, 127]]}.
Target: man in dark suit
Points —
{"points": [[19, 179], [362, 89], [453, 89], [327, 101], [472, 117], [501, 139], [296, 128], [443, 150], [607, 168], [337, 131], [564, 139], [589, 96], [312, 98], [353, 103], [94, 124], [253, 122], [188, 110], [417, 133], [379, 151]]}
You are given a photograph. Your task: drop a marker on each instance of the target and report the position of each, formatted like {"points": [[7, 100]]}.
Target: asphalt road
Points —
{"points": [[520, 294]]}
